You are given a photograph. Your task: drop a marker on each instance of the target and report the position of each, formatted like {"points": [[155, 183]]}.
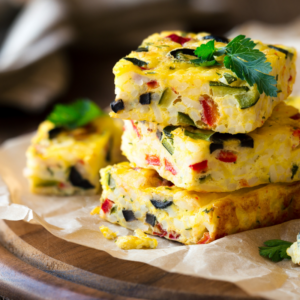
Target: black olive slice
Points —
{"points": [[246, 140], [76, 180], [128, 215], [159, 134], [168, 130], [150, 219], [217, 38], [53, 133], [281, 50], [117, 105], [186, 51], [161, 204], [145, 99], [213, 147]]}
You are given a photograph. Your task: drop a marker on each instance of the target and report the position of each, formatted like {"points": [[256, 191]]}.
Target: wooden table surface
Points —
{"points": [[37, 265], [34, 264]]}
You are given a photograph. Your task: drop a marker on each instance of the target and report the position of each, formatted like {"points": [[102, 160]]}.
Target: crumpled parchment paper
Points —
{"points": [[234, 258]]}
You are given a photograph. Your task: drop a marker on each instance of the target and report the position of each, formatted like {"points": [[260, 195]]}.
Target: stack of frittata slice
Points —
{"points": [[213, 149]]}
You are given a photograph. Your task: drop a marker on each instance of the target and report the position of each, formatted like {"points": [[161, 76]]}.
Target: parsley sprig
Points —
{"points": [[246, 62], [275, 250], [74, 115]]}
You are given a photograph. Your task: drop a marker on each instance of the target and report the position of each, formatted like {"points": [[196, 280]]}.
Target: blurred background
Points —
{"points": [[60, 50]]}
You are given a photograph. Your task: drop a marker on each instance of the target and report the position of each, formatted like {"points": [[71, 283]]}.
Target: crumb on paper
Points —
{"points": [[294, 251], [95, 211], [108, 233], [139, 241]]}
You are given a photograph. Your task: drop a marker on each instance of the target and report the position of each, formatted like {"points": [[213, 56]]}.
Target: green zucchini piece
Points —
{"points": [[46, 183], [200, 134], [136, 61], [205, 178], [168, 130], [229, 78], [168, 144], [167, 97], [142, 49], [184, 119], [249, 99], [287, 53], [220, 89]]}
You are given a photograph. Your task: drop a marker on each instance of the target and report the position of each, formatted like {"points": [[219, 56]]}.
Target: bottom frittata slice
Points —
{"points": [[139, 198]]}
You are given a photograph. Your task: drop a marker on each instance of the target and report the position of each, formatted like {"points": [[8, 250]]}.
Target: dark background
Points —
{"points": [[102, 38]]}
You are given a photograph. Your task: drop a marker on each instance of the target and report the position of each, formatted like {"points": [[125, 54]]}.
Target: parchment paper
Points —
{"points": [[234, 258]]}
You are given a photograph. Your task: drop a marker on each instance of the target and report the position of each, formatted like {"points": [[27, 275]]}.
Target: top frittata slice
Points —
{"points": [[161, 82]]}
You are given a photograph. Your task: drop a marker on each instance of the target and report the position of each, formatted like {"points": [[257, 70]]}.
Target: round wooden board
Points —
{"points": [[34, 264]]}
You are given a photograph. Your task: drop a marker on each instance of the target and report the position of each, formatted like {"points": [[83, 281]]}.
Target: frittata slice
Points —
{"points": [[158, 83], [206, 161], [139, 198], [67, 162]]}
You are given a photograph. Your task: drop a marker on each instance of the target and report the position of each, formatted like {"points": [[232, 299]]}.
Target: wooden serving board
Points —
{"points": [[34, 264]]}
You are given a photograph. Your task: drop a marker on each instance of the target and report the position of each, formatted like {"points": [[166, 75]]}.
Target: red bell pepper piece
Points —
{"points": [[296, 133], [296, 116], [161, 232], [290, 78], [136, 129], [173, 235], [199, 167], [153, 160], [169, 167], [226, 156], [153, 84], [107, 205], [178, 39], [210, 111], [205, 238]]}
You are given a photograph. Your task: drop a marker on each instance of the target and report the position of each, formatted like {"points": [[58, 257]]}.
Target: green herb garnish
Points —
{"points": [[208, 210], [275, 250], [74, 115], [240, 57]]}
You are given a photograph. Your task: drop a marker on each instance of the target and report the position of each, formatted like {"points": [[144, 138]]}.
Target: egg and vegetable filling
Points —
{"points": [[63, 161], [139, 198], [177, 78], [207, 161]]}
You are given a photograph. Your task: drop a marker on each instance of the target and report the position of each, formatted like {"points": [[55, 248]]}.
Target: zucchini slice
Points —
{"points": [[245, 97], [45, 183], [248, 99], [199, 134], [220, 89], [168, 130], [184, 119], [168, 144], [167, 97]]}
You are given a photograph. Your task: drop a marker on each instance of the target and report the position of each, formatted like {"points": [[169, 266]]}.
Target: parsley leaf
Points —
{"points": [[275, 250], [206, 55], [74, 115], [246, 62]]}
